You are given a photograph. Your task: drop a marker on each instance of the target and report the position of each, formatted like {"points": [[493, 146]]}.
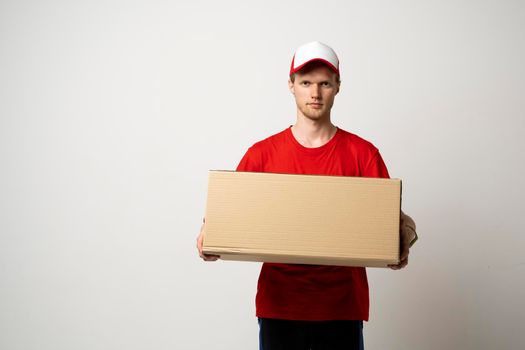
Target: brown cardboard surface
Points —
{"points": [[303, 219]]}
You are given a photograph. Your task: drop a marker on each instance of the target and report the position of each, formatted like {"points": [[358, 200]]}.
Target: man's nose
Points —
{"points": [[314, 90]]}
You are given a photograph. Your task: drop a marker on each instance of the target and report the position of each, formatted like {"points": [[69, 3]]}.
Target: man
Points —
{"points": [[307, 306]]}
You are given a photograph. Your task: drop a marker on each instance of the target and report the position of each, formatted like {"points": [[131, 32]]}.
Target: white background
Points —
{"points": [[112, 112]]}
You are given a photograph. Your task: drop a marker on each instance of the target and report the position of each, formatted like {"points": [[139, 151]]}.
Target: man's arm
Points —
{"points": [[408, 236], [200, 240], [251, 161]]}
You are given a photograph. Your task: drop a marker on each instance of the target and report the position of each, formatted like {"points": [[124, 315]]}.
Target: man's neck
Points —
{"points": [[311, 133]]}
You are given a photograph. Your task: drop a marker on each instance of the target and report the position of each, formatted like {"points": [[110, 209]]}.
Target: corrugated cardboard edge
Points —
{"points": [[227, 254]]}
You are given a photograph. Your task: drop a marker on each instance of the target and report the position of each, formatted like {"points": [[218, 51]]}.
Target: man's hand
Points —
{"points": [[200, 239], [407, 235]]}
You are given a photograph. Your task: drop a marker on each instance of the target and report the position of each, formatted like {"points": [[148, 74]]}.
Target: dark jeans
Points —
{"points": [[310, 335]]}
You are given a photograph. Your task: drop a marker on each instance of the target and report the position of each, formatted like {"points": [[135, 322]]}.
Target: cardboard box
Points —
{"points": [[303, 219]]}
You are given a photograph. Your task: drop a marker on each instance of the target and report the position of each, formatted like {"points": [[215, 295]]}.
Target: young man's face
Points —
{"points": [[314, 89]]}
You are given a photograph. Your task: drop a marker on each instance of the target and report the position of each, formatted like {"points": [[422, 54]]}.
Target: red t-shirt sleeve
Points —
{"points": [[376, 167], [251, 161]]}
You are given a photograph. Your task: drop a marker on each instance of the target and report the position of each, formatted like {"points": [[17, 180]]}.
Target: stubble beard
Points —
{"points": [[315, 114]]}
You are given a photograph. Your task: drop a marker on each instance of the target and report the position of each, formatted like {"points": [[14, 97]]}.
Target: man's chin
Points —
{"points": [[314, 116]]}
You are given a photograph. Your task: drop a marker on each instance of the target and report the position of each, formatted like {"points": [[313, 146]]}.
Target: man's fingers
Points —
{"points": [[200, 241], [402, 264], [207, 257], [404, 253], [211, 257]]}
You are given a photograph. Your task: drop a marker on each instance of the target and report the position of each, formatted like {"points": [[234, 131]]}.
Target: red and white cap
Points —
{"points": [[314, 51]]}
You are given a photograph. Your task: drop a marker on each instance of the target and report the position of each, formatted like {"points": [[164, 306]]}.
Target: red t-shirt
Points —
{"points": [[312, 292]]}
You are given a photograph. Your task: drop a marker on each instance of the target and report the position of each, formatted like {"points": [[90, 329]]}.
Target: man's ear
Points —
{"points": [[291, 87]]}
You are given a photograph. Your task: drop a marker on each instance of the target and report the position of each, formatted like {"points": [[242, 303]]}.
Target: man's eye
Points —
{"points": [[325, 83], [305, 83]]}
